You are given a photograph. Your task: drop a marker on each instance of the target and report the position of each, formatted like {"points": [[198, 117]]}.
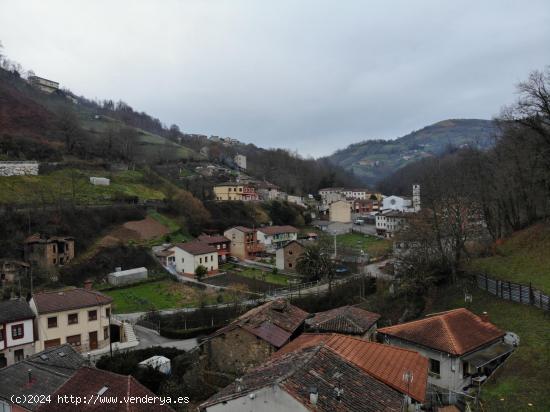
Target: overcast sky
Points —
{"points": [[312, 76]]}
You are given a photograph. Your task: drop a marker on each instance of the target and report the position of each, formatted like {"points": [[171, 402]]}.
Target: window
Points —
{"points": [[52, 322], [211, 258], [74, 340], [200, 260], [435, 368], [19, 355], [290, 265], [108, 312], [106, 332], [182, 260], [17, 331], [72, 318], [465, 369], [92, 315]]}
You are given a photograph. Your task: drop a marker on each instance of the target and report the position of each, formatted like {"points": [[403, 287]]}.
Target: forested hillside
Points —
{"points": [[372, 160]]}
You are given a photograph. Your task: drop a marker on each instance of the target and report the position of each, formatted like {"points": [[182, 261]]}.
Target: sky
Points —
{"points": [[311, 76]]}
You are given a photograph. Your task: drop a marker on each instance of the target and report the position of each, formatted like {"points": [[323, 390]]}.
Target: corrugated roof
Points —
{"points": [[455, 332], [62, 300], [383, 362], [275, 230], [345, 319], [196, 247], [14, 310], [320, 368]]}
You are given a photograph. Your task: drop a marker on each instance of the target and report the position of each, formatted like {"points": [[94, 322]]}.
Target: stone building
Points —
{"points": [[48, 252], [340, 211], [11, 270], [253, 337], [347, 320], [287, 256]]}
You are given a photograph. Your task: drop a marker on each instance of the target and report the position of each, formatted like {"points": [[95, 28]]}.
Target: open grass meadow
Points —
{"points": [[374, 246], [522, 258], [163, 294], [523, 382], [74, 185]]}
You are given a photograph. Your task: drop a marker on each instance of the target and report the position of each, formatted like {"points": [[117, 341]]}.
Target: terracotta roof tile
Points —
{"points": [[87, 382], [196, 247], [325, 370], [275, 230], [274, 322], [383, 362], [455, 332], [345, 319], [62, 300], [212, 239]]}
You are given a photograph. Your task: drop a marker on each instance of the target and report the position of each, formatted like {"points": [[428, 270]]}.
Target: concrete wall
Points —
{"points": [[237, 351], [340, 212], [268, 399], [18, 168]]}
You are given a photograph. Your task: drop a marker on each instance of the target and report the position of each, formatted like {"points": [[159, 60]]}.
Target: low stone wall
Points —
{"points": [[18, 168]]}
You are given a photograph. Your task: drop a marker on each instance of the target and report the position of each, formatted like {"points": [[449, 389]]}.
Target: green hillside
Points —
{"points": [[372, 160], [522, 258]]}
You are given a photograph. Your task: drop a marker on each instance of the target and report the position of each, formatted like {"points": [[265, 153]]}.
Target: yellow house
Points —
{"points": [[79, 317], [340, 211], [235, 191]]}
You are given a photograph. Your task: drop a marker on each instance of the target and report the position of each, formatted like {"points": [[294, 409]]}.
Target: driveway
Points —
{"points": [[148, 338]]}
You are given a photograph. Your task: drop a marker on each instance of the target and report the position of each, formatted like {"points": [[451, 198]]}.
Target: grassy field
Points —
{"points": [[254, 273], [524, 378], [522, 258], [163, 294], [73, 184], [372, 245]]}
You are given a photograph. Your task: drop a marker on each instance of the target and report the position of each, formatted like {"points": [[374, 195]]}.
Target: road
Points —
{"points": [[148, 338]]}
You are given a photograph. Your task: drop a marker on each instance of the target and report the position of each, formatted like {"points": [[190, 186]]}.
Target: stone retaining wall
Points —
{"points": [[18, 168]]}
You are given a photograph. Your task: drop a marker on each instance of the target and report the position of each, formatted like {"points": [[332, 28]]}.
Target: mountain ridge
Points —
{"points": [[373, 160]]}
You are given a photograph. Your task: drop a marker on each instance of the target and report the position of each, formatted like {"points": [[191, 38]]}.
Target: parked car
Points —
{"points": [[233, 259]]}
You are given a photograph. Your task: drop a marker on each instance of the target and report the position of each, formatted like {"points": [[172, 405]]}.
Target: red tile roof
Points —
{"points": [[345, 319], [62, 300], [321, 368], [274, 322], [383, 362], [87, 382], [275, 230], [196, 247], [455, 332]]}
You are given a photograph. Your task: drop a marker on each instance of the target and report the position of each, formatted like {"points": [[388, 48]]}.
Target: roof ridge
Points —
{"points": [[450, 334], [375, 343], [424, 319]]}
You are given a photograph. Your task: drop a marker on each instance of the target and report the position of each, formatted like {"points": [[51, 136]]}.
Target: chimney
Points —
{"points": [[484, 317], [30, 375], [88, 284], [313, 395]]}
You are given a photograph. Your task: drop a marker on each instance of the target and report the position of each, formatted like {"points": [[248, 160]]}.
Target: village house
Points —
{"points": [[286, 258], [396, 203], [274, 237], [244, 242], [164, 254], [340, 211], [268, 191], [221, 243], [48, 252], [16, 331], [389, 222], [329, 372], [254, 336], [45, 85], [365, 206], [309, 379], [347, 320], [39, 375], [189, 256], [79, 317], [463, 348], [11, 270], [240, 161], [235, 191]]}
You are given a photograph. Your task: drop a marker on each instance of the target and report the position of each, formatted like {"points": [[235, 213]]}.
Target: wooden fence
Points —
{"points": [[515, 292]]}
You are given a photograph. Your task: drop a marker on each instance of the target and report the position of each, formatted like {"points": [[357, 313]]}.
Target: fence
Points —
{"points": [[515, 292]]}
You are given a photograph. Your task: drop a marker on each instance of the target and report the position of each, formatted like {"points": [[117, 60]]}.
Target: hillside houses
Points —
{"points": [[17, 334], [244, 242], [274, 237], [189, 256]]}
